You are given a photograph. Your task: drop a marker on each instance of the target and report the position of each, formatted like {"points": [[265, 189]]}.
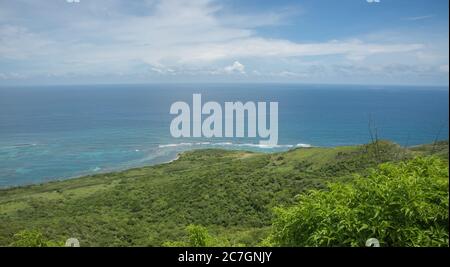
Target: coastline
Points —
{"points": [[109, 171], [191, 147], [178, 155], [172, 160], [175, 150], [212, 186]]}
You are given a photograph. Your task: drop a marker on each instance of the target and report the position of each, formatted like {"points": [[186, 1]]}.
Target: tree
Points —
{"points": [[198, 235], [403, 204]]}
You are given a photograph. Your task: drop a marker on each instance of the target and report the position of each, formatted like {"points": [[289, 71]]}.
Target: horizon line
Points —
{"points": [[221, 82]]}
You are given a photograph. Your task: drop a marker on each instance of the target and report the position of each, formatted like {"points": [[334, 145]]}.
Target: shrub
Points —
{"points": [[33, 238], [197, 236], [403, 204]]}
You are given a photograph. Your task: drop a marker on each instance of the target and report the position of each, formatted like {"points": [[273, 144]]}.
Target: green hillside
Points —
{"points": [[232, 194]]}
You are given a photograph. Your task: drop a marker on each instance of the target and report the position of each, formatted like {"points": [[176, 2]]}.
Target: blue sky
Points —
{"points": [[311, 41]]}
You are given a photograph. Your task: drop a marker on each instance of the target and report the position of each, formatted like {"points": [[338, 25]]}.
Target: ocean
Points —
{"points": [[57, 132]]}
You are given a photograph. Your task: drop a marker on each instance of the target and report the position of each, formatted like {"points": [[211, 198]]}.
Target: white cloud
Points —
{"points": [[286, 73], [196, 37], [373, 1], [17, 42], [11, 76], [236, 67], [162, 70]]}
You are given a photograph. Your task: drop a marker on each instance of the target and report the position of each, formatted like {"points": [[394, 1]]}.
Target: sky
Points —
{"points": [[398, 42]]}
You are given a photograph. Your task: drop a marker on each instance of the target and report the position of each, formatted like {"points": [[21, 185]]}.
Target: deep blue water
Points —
{"points": [[56, 132]]}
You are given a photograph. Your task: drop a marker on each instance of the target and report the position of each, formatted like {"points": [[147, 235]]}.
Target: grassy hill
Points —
{"points": [[230, 193]]}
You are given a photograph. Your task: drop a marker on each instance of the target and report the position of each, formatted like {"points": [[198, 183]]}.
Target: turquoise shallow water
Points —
{"points": [[56, 132]]}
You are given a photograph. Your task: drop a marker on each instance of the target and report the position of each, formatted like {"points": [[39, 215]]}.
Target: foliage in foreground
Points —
{"points": [[404, 204], [33, 238], [198, 236]]}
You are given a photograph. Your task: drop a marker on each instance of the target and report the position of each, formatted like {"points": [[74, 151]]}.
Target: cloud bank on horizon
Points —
{"points": [[320, 41]]}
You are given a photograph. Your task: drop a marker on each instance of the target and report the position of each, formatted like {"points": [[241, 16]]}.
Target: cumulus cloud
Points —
{"points": [[373, 1], [236, 67]]}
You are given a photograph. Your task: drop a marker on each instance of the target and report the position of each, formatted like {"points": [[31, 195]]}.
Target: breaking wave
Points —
{"points": [[220, 144]]}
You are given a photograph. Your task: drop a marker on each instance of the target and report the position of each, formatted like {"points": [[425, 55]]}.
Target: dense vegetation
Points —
{"points": [[33, 238], [219, 197], [402, 204]]}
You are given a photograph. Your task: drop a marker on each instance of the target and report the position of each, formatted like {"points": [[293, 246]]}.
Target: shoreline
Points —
{"points": [[177, 157], [106, 171], [118, 170]]}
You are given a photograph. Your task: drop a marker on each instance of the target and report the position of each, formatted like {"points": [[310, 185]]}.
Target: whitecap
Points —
{"points": [[265, 146], [262, 146], [203, 143], [303, 145], [224, 144], [175, 145]]}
